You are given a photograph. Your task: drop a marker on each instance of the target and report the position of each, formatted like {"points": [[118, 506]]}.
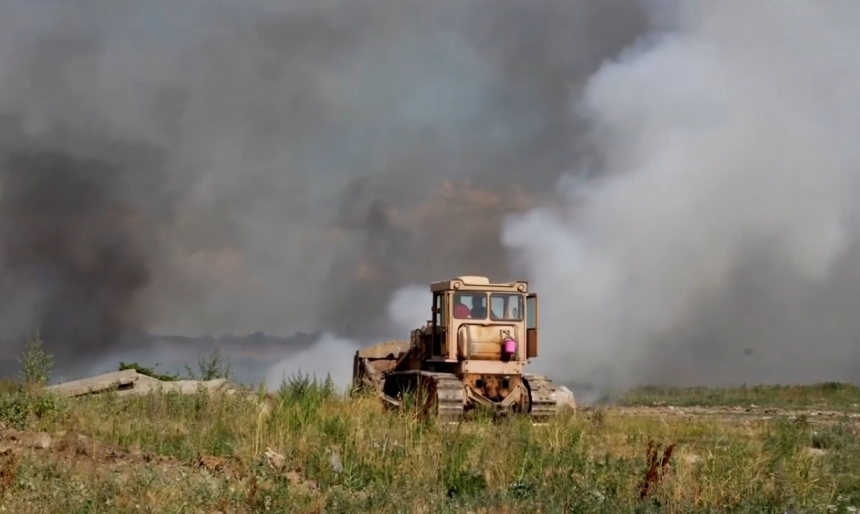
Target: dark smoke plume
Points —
{"points": [[274, 166], [78, 226]]}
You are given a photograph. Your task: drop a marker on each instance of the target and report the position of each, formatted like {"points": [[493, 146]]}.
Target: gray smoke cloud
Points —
{"points": [[195, 167], [718, 243]]}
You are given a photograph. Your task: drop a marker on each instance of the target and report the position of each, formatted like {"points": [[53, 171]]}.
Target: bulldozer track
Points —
{"points": [[447, 389], [448, 395], [543, 398]]}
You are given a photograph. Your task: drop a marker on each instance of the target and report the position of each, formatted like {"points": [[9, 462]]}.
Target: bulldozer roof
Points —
{"points": [[471, 283]]}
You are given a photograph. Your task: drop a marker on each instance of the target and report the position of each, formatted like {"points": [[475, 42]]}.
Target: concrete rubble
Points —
{"points": [[130, 382]]}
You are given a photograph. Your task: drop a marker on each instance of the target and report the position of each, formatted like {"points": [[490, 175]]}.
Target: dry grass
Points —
{"points": [[174, 454], [827, 395]]}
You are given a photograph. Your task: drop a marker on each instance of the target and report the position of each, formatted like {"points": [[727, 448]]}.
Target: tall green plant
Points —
{"points": [[211, 368], [36, 363]]}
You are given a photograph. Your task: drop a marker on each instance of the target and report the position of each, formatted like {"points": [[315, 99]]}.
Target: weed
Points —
{"points": [[36, 363], [211, 368], [840, 437], [23, 408], [147, 371]]}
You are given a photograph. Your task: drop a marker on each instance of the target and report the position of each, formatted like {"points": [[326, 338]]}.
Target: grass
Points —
{"points": [[828, 395], [307, 449]]}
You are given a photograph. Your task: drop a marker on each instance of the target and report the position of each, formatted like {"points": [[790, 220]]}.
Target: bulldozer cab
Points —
{"points": [[466, 306]]}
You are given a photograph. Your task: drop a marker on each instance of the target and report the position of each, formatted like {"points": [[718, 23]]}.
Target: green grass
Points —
{"points": [[349, 455], [307, 449], [828, 395]]}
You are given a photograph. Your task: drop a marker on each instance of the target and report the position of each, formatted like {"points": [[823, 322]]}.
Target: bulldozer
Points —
{"points": [[469, 355]]}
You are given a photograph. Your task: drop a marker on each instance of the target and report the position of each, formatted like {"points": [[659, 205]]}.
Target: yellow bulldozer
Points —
{"points": [[470, 353]]}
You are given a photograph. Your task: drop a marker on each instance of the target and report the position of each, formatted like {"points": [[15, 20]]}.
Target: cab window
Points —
{"points": [[506, 307], [470, 305], [439, 315]]}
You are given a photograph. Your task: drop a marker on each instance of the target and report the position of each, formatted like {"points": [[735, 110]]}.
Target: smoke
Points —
{"points": [[194, 168], [197, 168], [76, 238], [310, 363], [718, 242], [409, 308]]}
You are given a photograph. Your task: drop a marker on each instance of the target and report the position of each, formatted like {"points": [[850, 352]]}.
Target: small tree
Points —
{"points": [[36, 363]]}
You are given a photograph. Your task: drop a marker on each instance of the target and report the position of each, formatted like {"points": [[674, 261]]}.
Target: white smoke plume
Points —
{"points": [[409, 308], [330, 357], [718, 243]]}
